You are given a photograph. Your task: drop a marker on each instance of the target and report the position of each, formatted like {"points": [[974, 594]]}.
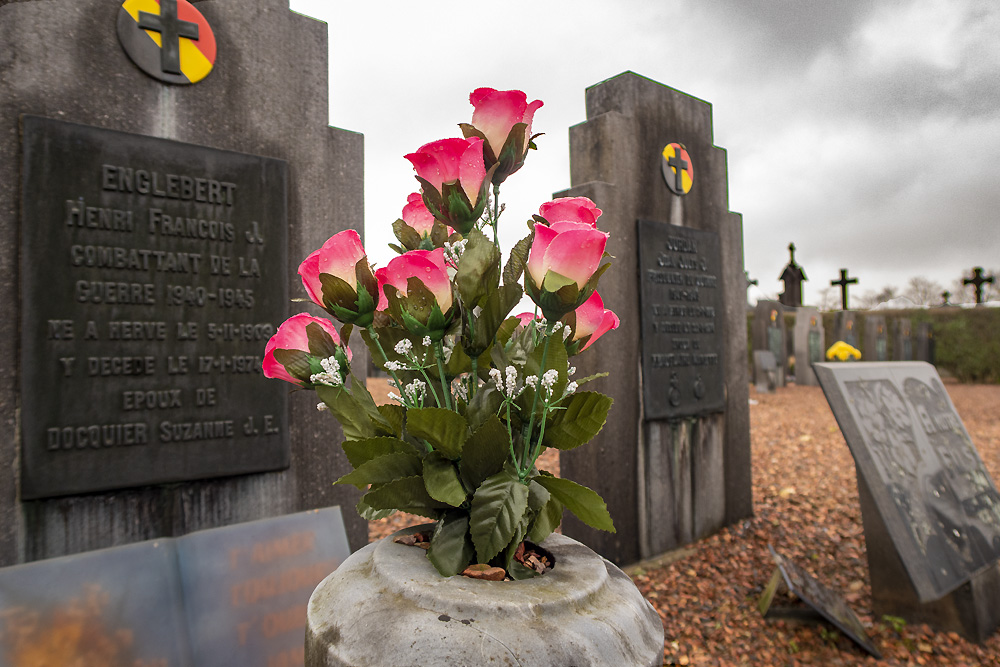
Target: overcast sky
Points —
{"points": [[866, 132]]}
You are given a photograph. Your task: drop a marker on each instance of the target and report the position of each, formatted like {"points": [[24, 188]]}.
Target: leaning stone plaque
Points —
{"points": [[914, 456], [152, 274], [680, 299], [246, 586], [220, 597], [826, 602], [118, 606]]}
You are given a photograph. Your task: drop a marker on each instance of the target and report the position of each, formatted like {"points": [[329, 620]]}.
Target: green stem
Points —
{"points": [[439, 354], [474, 378], [510, 437], [496, 215], [523, 473], [385, 359]]}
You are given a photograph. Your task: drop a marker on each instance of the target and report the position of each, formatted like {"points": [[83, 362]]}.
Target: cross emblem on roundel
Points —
{"points": [[678, 171], [169, 40]]}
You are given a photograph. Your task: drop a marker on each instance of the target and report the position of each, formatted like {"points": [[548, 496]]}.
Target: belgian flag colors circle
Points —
{"points": [[144, 24], [678, 171]]}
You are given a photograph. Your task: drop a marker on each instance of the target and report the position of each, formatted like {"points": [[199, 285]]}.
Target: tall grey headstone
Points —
{"points": [[685, 472], [161, 226], [845, 328], [771, 334], [876, 339], [924, 348], [810, 344], [931, 512], [903, 340]]}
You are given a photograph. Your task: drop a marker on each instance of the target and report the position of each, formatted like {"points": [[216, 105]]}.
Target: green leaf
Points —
{"points": [[515, 541], [485, 452], [354, 421], [359, 390], [360, 452], [296, 362], [451, 549], [444, 429], [547, 517], [383, 469], [584, 417], [553, 282], [320, 342], [495, 309], [518, 259], [478, 270], [369, 513], [483, 405], [585, 503], [394, 416], [497, 508], [441, 480], [407, 494], [406, 235]]}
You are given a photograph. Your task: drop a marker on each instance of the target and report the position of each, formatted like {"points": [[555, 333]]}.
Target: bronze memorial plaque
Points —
{"points": [[152, 274], [680, 302]]}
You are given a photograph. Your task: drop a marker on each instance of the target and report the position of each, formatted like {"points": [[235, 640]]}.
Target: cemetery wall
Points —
{"points": [[966, 344]]}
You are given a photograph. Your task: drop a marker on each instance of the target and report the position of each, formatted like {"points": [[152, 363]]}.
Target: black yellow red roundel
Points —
{"points": [[168, 39], [678, 171]]}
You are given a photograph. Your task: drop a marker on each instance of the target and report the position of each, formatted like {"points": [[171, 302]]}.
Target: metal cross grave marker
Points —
{"points": [[843, 283], [977, 281]]}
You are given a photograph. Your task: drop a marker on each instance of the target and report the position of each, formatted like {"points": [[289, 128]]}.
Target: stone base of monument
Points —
{"points": [[387, 605], [972, 610]]}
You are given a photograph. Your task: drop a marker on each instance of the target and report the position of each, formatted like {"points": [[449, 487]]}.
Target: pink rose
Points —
{"points": [[591, 321], [428, 267], [416, 215], [292, 357], [570, 209], [502, 118], [351, 289], [564, 254], [454, 180]]}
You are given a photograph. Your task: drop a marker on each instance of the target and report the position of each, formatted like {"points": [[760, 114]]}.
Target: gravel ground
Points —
{"points": [[806, 505]]}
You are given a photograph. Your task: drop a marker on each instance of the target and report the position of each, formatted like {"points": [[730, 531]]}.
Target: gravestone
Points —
{"points": [[160, 230], [845, 328], [793, 276], [810, 344], [679, 434], [924, 348], [769, 333], [876, 338], [227, 596], [903, 341], [824, 602], [765, 372], [930, 510]]}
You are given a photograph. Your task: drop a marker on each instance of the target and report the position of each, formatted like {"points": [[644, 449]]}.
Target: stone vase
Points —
{"points": [[387, 605]]}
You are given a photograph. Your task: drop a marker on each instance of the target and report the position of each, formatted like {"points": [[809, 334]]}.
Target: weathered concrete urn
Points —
{"points": [[387, 605]]}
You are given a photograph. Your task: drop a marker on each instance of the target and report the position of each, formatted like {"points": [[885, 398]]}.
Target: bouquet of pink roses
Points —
{"points": [[481, 394]]}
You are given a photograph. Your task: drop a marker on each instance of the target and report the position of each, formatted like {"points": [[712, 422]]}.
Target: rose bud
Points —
{"points": [[454, 180], [417, 229], [588, 323], [306, 351], [564, 262], [422, 298], [502, 119], [339, 279]]}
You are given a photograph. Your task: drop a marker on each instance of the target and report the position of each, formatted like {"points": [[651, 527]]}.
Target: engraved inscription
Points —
{"points": [[153, 272], [680, 297]]}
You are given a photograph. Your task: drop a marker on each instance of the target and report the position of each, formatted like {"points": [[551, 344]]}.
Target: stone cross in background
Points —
{"points": [[977, 281], [793, 276], [678, 284], [843, 283]]}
